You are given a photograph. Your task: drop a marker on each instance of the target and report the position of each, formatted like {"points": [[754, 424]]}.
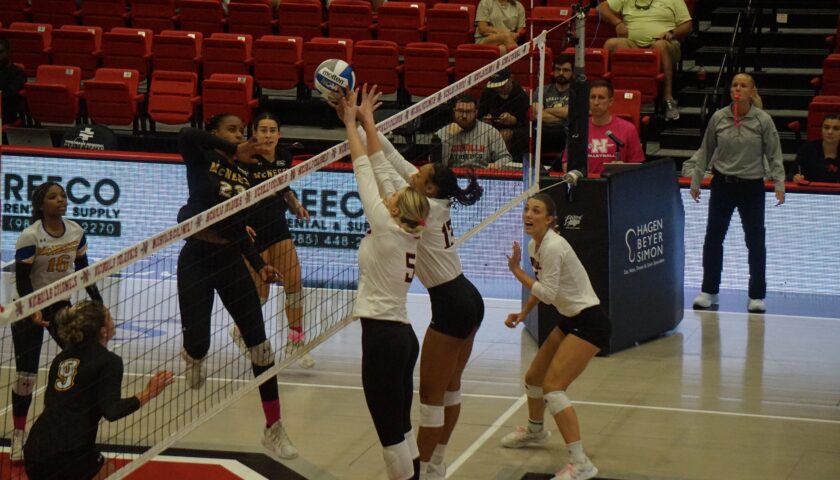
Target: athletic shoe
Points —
{"points": [[577, 472], [756, 305], [436, 471], [278, 443], [16, 449], [194, 372], [306, 360], [522, 437], [236, 336], [671, 111], [705, 300]]}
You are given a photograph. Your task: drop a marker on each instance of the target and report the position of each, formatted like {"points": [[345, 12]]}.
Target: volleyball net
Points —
{"points": [[140, 281]]}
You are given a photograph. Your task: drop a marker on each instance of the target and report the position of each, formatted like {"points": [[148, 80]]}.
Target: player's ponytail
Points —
{"points": [[81, 322], [447, 183], [38, 197], [414, 208]]}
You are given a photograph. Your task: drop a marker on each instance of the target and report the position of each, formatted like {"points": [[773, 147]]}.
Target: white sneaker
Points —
{"points": [[306, 360], [236, 336], [278, 443], [672, 111], [436, 471], [705, 300], [16, 449], [522, 437], [756, 305], [577, 472], [194, 372]]}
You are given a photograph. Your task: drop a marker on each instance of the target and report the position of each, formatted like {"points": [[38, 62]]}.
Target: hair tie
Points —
{"points": [[421, 222]]}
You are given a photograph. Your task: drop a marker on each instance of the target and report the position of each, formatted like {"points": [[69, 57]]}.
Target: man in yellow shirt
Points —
{"points": [[656, 24]]}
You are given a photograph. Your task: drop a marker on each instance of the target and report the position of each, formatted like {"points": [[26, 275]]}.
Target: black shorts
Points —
{"points": [[65, 466], [591, 325], [457, 307]]}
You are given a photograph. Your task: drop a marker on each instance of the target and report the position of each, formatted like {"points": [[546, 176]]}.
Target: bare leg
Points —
{"points": [[438, 363], [568, 363], [667, 64], [536, 374]]}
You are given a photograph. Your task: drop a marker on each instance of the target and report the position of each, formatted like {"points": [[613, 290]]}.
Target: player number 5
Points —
{"points": [[409, 264]]}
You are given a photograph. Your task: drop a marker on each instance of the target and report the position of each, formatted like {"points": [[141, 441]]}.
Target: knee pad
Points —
{"points": [[431, 415], [534, 391], [294, 299], [557, 401], [24, 383], [262, 354], [412, 444], [451, 398], [398, 461]]}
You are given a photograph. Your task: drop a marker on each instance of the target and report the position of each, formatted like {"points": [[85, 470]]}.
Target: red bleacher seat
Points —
{"points": [[155, 15], [255, 19], [278, 61], [401, 22], [54, 97], [637, 69], [521, 69], [377, 62], [546, 18], [469, 57], [831, 75], [105, 13], [78, 45], [177, 50], [319, 49], [451, 24], [12, 11], [55, 12], [351, 19], [597, 30], [426, 68], [205, 16], [227, 53], [227, 93], [30, 44], [627, 104], [819, 107], [127, 48], [112, 97], [172, 97], [301, 18], [596, 61]]}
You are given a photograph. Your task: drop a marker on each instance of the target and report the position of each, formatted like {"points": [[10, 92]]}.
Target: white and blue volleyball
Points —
{"points": [[333, 77]]}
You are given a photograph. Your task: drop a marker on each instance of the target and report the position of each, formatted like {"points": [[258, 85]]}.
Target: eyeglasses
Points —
{"points": [[465, 112], [642, 7]]}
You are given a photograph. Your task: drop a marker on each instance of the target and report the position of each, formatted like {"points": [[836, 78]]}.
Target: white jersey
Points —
{"points": [[52, 258], [387, 255], [437, 260], [561, 279]]}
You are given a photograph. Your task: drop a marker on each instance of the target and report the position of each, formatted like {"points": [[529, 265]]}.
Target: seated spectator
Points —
{"points": [[656, 24], [12, 80], [556, 105], [504, 104], [469, 143], [818, 160], [602, 124], [498, 23]]}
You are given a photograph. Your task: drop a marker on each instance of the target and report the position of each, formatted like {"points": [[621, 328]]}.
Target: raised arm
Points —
{"points": [[193, 142]]}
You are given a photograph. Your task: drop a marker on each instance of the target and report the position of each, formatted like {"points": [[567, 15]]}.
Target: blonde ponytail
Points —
{"points": [[756, 99], [81, 322], [414, 208]]}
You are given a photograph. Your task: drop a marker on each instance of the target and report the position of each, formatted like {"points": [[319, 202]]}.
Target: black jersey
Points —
{"points": [[212, 179], [84, 385], [268, 218]]}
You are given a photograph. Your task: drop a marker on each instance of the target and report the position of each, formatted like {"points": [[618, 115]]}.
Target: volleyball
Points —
{"points": [[333, 77]]}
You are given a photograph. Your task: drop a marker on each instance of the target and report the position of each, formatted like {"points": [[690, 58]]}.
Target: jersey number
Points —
{"points": [[227, 190], [446, 228], [59, 264], [409, 264], [67, 371]]}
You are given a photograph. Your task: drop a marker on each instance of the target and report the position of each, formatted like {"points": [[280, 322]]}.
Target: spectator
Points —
{"points": [[498, 23], [504, 104], [12, 80], [737, 140], [602, 124], [469, 143], [657, 24], [556, 105], [817, 160]]}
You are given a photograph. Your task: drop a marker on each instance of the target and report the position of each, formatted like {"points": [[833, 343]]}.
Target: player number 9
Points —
{"points": [[67, 371]]}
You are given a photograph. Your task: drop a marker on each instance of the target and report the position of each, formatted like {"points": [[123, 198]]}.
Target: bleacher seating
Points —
{"points": [[112, 97], [819, 107], [255, 19], [451, 24], [54, 97], [831, 75], [596, 62], [227, 53], [637, 69], [627, 104], [228, 93], [30, 44], [172, 97], [278, 61], [128, 48], [319, 49], [205, 16], [521, 69], [426, 68], [351, 19], [78, 45], [155, 15], [546, 18], [55, 12], [104, 13], [376, 62], [12, 11], [401, 22], [301, 18], [177, 50], [469, 57]]}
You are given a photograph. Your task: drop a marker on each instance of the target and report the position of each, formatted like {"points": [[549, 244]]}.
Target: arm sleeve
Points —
{"points": [[702, 157], [498, 150], [633, 149], [249, 250], [546, 287], [92, 291], [482, 13], [111, 404], [24, 258], [385, 175], [520, 110], [375, 210], [773, 151], [616, 5], [399, 171], [193, 142], [23, 281], [799, 162], [681, 14], [445, 143]]}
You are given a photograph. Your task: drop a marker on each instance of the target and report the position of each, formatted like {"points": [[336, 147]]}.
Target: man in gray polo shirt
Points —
{"points": [[469, 143]]}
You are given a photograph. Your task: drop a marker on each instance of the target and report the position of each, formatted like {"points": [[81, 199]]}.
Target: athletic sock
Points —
{"points": [[439, 454], [534, 426], [576, 452], [19, 423], [271, 408]]}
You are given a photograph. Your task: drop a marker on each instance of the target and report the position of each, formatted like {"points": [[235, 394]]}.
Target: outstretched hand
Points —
{"points": [[246, 151], [370, 103], [515, 258], [348, 108]]}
